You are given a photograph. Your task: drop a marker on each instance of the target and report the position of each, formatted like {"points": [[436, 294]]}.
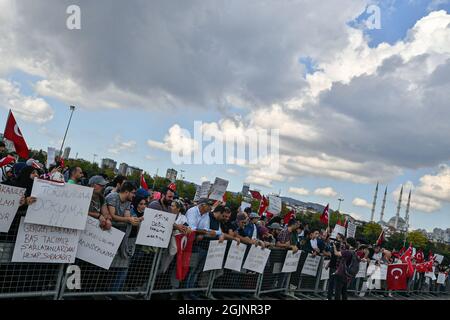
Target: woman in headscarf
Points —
{"points": [[25, 180]]}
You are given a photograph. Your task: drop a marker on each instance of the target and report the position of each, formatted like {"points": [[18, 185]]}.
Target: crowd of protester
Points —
{"points": [[121, 204]]}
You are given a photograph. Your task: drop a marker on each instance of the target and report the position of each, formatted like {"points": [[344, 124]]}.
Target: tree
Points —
{"points": [[417, 239], [395, 241], [372, 231]]}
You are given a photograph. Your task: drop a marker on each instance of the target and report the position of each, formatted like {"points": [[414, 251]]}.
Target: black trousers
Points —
{"points": [[341, 288], [331, 284]]}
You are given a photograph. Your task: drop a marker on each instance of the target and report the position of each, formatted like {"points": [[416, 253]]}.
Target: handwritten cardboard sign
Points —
{"points": [[215, 256], [256, 259], [45, 244], [274, 205], [291, 261], [235, 256], [9, 203], [57, 205], [204, 190], [156, 229], [362, 270], [311, 265], [98, 246], [218, 189]]}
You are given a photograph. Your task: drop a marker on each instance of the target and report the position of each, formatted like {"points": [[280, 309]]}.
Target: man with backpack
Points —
{"points": [[347, 269]]}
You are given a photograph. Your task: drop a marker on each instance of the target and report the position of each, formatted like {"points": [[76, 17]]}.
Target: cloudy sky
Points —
{"points": [[353, 105]]}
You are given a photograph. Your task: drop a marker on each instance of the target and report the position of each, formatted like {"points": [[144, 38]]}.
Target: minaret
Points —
{"points": [[398, 208], [407, 211], [383, 205], [374, 203]]}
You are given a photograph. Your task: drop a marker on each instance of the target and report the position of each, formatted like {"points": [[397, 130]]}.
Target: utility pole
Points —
{"points": [[72, 109], [339, 207], [154, 179], [95, 156]]}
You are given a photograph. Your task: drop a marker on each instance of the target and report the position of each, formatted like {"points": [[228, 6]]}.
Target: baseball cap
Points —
{"points": [[253, 215], [142, 193], [275, 226], [97, 180]]}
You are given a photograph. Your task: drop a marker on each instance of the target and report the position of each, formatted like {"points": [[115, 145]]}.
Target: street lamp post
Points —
{"points": [[95, 156], [339, 207], [72, 109]]}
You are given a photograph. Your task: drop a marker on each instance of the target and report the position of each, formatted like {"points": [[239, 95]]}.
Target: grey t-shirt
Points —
{"points": [[113, 200]]}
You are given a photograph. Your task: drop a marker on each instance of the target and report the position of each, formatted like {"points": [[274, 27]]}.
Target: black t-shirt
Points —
{"points": [[236, 228], [226, 226]]}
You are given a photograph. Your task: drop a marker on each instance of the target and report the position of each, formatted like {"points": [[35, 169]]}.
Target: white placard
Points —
{"points": [[235, 256], [58, 205], [98, 246], [371, 268], [441, 278], [325, 272], [216, 254], [45, 244], [256, 259], [9, 203], [51, 153], [197, 194], [431, 275], [351, 230], [274, 205], [218, 189], [311, 265], [245, 205], [204, 189], [156, 229], [362, 270], [291, 261], [380, 272], [439, 258], [337, 229]]}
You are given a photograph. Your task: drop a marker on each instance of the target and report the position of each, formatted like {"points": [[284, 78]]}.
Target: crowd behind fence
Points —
{"points": [[145, 278]]}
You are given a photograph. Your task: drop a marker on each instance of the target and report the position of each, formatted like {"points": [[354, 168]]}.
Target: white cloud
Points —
{"points": [[149, 157], [178, 141], [325, 192], [418, 201], [232, 171], [122, 146], [358, 202], [27, 108], [356, 216], [299, 191], [203, 179]]}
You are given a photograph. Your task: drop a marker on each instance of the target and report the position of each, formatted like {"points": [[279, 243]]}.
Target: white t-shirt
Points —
{"points": [[377, 256], [314, 244]]}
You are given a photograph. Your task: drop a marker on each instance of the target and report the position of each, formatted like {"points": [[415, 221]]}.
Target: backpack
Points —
{"points": [[353, 268]]}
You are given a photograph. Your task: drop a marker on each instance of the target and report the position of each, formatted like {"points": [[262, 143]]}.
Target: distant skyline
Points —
{"points": [[353, 105]]}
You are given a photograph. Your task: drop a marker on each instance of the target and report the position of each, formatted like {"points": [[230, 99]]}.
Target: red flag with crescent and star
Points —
{"points": [[13, 133], [324, 215], [184, 252], [397, 276], [406, 258], [290, 215], [143, 183], [263, 206]]}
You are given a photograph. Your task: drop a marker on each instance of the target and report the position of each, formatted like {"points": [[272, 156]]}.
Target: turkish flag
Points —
{"points": [[419, 256], [406, 258], [263, 206], [224, 198], [324, 215], [380, 238], [397, 276], [143, 183], [13, 133], [173, 187], [256, 195], [184, 252], [290, 215], [7, 160]]}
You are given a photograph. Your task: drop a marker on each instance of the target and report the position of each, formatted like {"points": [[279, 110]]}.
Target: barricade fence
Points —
{"points": [[153, 271]]}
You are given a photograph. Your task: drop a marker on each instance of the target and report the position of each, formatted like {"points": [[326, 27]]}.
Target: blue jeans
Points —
{"points": [[192, 276], [120, 279]]}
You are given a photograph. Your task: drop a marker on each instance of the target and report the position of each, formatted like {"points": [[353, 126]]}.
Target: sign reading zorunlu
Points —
{"points": [[59, 205]]}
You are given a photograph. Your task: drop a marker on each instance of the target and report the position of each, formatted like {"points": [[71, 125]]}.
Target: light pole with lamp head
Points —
{"points": [[72, 109]]}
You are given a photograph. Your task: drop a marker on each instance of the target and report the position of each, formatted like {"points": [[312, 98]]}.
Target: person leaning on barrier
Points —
{"points": [[114, 186], [288, 238], [226, 226], [119, 205], [98, 208], [163, 203], [346, 266], [238, 229]]}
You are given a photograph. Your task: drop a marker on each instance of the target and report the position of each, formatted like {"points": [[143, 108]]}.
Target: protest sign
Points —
{"points": [[98, 246], [337, 229], [274, 205], [431, 275], [362, 270], [441, 278], [204, 189], [235, 256], [371, 268], [439, 258], [59, 205], [197, 194], [245, 205], [9, 203], [256, 259], [51, 153], [351, 230], [291, 261], [156, 229], [325, 273], [311, 265], [380, 272], [218, 189], [45, 244], [215, 256]]}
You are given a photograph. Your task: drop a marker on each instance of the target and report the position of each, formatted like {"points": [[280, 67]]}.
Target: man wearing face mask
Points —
{"points": [[163, 204]]}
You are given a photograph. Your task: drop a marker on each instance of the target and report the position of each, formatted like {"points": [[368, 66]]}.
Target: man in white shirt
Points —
{"points": [[198, 217]]}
